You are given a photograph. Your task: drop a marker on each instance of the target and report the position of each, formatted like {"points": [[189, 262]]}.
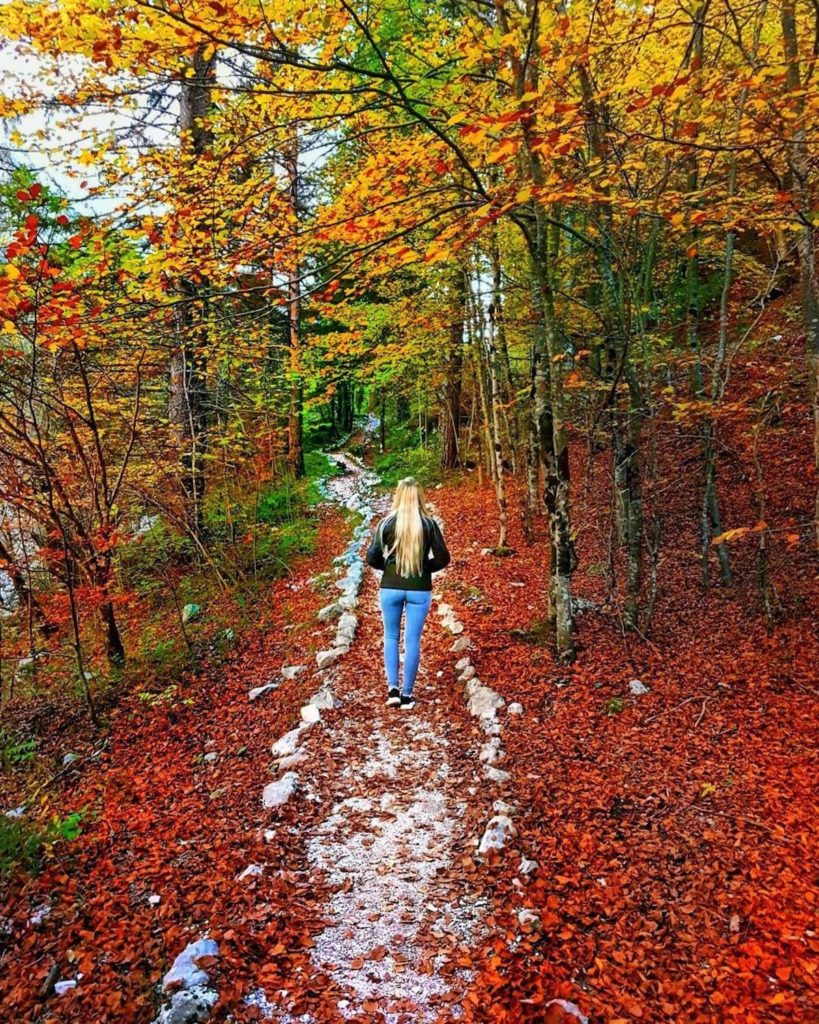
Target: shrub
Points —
{"points": [[423, 462], [23, 844]]}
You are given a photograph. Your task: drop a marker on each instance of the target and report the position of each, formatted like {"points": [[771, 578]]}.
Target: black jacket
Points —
{"points": [[435, 556]]}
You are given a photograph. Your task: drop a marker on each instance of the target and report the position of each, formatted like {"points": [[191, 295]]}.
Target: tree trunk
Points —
{"points": [[506, 386], [531, 502], [555, 453], [451, 411], [554, 448], [799, 165], [710, 518], [477, 346], [497, 448], [295, 414], [187, 400], [114, 649]]}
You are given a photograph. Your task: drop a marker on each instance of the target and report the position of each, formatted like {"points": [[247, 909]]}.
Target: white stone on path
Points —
{"points": [[279, 792], [251, 871], [291, 671], [185, 972], [491, 751], [637, 688], [568, 1007], [467, 674], [461, 664], [345, 631], [330, 612], [287, 744], [189, 1006], [324, 659], [310, 713], [483, 701], [461, 644], [515, 708], [527, 867], [323, 699], [291, 760], [528, 917], [496, 774], [498, 830], [260, 691], [62, 988]]}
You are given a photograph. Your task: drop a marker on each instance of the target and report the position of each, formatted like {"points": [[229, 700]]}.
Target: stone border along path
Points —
{"points": [[484, 703], [192, 996], [381, 909], [354, 491]]}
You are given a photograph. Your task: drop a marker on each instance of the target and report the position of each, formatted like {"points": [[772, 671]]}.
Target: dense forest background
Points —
{"points": [[557, 261]]}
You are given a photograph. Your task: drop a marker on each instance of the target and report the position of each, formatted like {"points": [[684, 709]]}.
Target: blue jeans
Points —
{"points": [[417, 604]]}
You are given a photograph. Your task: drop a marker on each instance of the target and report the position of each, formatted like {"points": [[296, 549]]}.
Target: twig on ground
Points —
{"points": [[700, 716], [667, 711]]}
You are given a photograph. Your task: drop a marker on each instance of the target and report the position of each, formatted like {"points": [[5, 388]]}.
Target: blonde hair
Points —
{"points": [[408, 543]]}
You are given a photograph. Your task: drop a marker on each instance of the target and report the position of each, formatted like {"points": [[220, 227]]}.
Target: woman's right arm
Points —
{"points": [[439, 553], [375, 554]]}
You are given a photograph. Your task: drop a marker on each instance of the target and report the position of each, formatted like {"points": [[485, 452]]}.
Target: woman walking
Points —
{"points": [[408, 548]]}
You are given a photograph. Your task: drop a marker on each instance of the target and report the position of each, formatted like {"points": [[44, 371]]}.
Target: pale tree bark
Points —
{"points": [[451, 426], [497, 448], [508, 408], [531, 500], [475, 327]]}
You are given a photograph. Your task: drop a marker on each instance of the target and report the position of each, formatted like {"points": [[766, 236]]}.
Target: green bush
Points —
{"points": [[24, 844], [15, 751], [143, 563], [422, 462], [278, 505]]}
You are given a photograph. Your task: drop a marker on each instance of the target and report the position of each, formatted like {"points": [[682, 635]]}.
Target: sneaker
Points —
{"points": [[407, 703], [393, 698]]}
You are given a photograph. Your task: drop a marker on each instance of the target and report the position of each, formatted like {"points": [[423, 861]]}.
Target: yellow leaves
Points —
{"points": [[11, 272], [504, 151], [739, 531], [524, 195], [436, 253]]}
